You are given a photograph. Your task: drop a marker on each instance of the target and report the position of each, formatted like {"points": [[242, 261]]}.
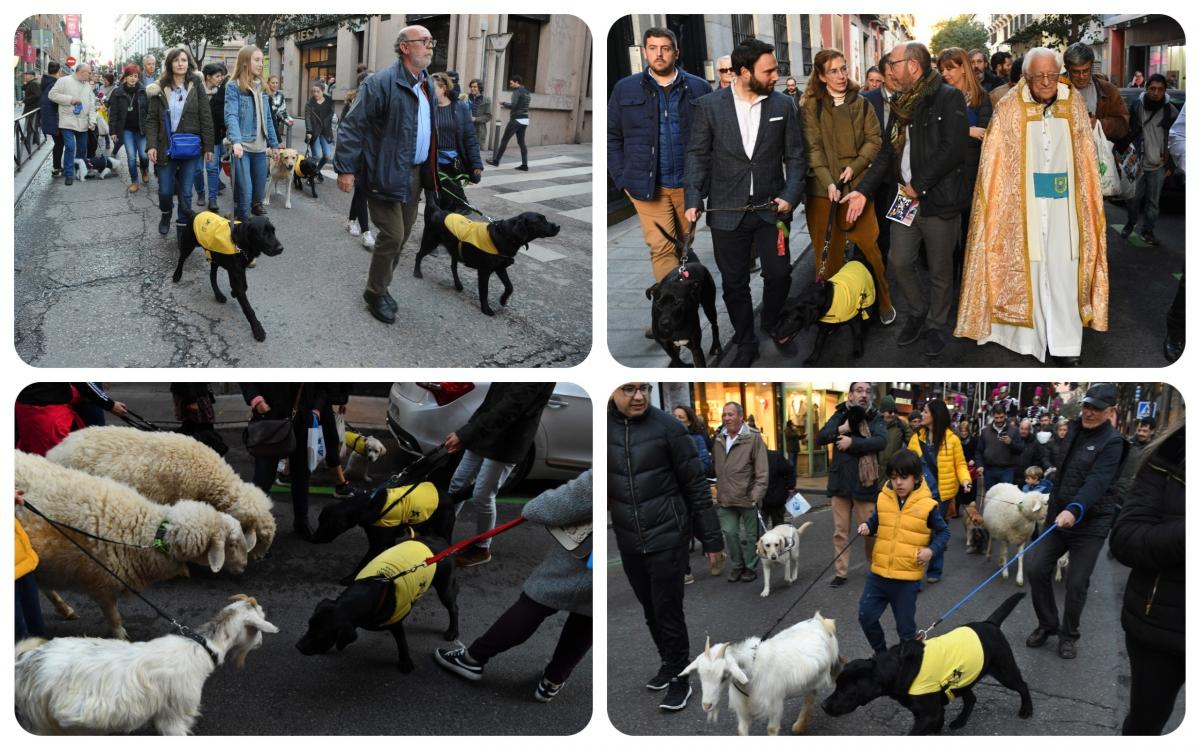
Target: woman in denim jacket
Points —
{"points": [[250, 129]]}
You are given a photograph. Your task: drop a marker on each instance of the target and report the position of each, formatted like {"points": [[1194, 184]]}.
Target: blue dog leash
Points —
{"points": [[923, 634]]}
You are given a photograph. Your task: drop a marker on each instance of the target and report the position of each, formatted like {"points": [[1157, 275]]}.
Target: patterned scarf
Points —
{"points": [[868, 463], [904, 104]]}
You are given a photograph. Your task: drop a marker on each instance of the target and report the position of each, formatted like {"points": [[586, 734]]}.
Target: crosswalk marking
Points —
{"points": [[537, 162], [542, 254], [536, 195], [552, 174], [580, 214]]}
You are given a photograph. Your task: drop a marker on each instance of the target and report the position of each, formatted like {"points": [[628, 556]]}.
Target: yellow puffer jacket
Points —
{"points": [[901, 532], [951, 464], [27, 559], [409, 588]]}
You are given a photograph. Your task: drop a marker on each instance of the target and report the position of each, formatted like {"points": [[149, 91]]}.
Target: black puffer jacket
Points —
{"points": [[504, 425], [843, 470], [1087, 477], [1149, 537], [656, 485], [781, 480]]}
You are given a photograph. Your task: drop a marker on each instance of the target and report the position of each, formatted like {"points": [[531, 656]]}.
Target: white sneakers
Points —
{"points": [[368, 239]]}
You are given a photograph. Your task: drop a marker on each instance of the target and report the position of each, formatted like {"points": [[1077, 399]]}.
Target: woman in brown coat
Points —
{"points": [[177, 104], [843, 137]]}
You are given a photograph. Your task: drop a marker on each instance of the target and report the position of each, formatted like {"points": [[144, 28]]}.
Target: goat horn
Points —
{"points": [[708, 646]]}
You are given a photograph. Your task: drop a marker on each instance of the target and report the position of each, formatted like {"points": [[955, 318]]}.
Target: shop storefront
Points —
{"points": [[318, 59]]}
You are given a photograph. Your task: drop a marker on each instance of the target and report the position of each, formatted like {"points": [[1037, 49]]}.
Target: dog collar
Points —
{"points": [[186, 632], [160, 539]]}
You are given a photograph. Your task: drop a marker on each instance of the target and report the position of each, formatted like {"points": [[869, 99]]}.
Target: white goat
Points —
{"points": [[105, 686], [1010, 516], [802, 660]]}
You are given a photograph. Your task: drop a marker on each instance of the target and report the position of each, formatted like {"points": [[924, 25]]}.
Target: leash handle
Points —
{"points": [[133, 419]]}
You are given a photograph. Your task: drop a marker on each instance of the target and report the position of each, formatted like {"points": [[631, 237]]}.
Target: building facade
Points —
{"points": [[1149, 43], [38, 40]]}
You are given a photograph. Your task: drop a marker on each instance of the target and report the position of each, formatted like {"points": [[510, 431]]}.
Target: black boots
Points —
{"points": [[164, 224], [320, 164]]}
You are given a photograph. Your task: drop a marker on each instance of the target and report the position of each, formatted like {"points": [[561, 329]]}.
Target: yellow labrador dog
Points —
{"points": [[780, 544], [282, 168]]}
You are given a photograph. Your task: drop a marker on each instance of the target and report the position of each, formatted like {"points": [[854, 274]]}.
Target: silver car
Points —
{"points": [[421, 415]]}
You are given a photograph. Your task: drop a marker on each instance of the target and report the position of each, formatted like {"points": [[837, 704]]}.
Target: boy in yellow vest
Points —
{"points": [[909, 530]]}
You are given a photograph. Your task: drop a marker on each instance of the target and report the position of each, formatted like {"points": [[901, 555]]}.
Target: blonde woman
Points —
{"points": [[178, 105], [250, 130]]}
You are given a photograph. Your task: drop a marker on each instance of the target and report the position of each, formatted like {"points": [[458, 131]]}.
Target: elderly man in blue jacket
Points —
{"points": [[649, 118], [390, 140]]}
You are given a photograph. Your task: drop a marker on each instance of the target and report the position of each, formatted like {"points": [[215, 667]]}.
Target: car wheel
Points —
{"points": [[519, 472]]}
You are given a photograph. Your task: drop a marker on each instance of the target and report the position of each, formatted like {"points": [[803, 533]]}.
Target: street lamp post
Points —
{"points": [[496, 43]]}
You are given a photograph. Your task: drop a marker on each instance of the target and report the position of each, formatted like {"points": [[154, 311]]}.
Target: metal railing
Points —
{"points": [[27, 136]]}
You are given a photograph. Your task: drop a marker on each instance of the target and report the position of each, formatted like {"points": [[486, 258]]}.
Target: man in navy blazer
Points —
{"points": [[882, 199], [747, 149]]}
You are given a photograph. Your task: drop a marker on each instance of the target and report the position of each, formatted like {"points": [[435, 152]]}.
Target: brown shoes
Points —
{"points": [[133, 187], [472, 556]]}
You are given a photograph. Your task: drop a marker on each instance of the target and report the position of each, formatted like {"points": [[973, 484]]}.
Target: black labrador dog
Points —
{"points": [[847, 299], [488, 247], [371, 603], [906, 671], [231, 245], [676, 301], [305, 172]]}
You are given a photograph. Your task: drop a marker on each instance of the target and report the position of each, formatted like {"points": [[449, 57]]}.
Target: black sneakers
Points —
{"points": [[455, 660], [837, 582], [911, 331], [546, 690], [677, 695], [935, 343], [661, 680]]}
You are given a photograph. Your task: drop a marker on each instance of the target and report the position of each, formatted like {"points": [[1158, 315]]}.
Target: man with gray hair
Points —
{"points": [[1103, 99], [390, 137], [149, 69], [740, 463], [76, 102], [1033, 287], [724, 73]]}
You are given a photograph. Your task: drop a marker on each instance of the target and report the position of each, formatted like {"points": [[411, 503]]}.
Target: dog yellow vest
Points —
{"points": [[416, 508], [356, 442], [296, 167], [472, 232], [853, 293], [214, 233], [951, 661], [410, 587]]}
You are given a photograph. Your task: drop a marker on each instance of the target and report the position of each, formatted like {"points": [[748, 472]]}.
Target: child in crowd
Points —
{"points": [[1035, 481]]}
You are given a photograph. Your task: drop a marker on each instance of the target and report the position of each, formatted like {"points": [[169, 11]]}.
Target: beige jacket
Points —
{"points": [[66, 89], [742, 471]]}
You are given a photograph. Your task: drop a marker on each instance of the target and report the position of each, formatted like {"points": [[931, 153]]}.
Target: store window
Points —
{"points": [[521, 57], [758, 400], [318, 61], [808, 406]]}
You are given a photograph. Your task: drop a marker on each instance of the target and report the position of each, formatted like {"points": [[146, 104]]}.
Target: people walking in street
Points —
{"points": [[150, 73], [945, 469], [858, 434], [458, 152], [389, 138], [793, 91], [725, 74], [250, 129], [899, 433], [177, 105], [740, 462], [1102, 99], [1032, 452], [925, 142], [650, 115], [481, 111], [657, 495], [127, 112], [843, 139], [1150, 119], [210, 181], [31, 91], [279, 113], [873, 81], [885, 193], [358, 224], [278, 401], [986, 76], [1001, 63], [781, 482], [699, 434], [518, 122], [76, 115], [955, 70], [495, 439], [1014, 77], [1149, 536], [999, 449], [793, 435], [318, 127], [1055, 273], [741, 141], [49, 116], [561, 582]]}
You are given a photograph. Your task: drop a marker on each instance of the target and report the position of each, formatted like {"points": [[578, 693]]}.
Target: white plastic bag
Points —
{"points": [[316, 443], [1110, 178], [797, 505], [1130, 168]]}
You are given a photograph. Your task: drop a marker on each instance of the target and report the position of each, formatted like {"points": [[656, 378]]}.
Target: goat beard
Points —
{"points": [[714, 714]]}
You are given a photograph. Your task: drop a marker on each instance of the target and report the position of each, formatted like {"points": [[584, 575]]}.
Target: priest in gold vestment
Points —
{"points": [[1036, 268]]}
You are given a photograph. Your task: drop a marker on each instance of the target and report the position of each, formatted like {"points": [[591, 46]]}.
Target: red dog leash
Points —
{"points": [[461, 545]]}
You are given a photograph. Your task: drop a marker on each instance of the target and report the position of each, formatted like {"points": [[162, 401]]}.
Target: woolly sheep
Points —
{"points": [[1010, 516], [168, 466], [106, 508]]}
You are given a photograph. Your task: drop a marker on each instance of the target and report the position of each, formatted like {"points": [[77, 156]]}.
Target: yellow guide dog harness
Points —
{"points": [[214, 233], [414, 508], [951, 661], [296, 167], [356, 442], [473, 232], [853, 293], [410, 587]]}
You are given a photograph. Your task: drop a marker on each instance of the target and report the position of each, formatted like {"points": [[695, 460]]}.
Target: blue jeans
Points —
{"points": [[939, 558], [28, 609], [994, 476], [135, 152], [878, 593], [1145, 196], [211, 172], [71, 151], [177, 174], [484, 475], [249, 181], [321, 148]]}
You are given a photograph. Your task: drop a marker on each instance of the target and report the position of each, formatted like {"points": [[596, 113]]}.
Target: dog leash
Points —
{"points": [[133, 419], [814, 583], [434, 458], [456, 547], [780, 225], [158, 545], [923, 634], [461, 197], [833, 211], [180, 628]]}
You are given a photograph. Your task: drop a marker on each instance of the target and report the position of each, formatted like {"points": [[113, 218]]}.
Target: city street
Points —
{"points": [[92, 281], [1142, 282], [358, 691], [1087, 696]]}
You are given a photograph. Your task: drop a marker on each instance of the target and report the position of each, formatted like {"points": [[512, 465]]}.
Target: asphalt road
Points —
{"points": [[359, 691], [1087, 696], [92, 283]]}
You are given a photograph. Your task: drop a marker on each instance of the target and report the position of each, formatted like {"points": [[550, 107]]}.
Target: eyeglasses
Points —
{"points": [[724, 70], [631, 389], [890, 63], [1044, 77], [429, 42]]}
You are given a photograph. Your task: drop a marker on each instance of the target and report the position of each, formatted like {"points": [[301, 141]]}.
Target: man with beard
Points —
{"points": [[742, 140], [793, 91], [1150, 119]]}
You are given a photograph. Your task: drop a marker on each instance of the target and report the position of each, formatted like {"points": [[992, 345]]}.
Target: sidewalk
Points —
{"points": [[629, 276]]}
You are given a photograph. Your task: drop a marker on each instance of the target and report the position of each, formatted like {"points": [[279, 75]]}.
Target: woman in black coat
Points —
{"points": [[1149, 537], [458, 151], [276, 401], [127, 110]]}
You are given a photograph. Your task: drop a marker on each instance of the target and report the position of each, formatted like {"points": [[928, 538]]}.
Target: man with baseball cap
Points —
{"points": [[1082, 507]]}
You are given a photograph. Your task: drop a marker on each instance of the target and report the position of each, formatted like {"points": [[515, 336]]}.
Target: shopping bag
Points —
{"points": [[1110, 178], [797, 505], [316, 443]]}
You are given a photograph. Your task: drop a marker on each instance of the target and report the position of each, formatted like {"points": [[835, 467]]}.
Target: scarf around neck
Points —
{"points": [[905, 103]]}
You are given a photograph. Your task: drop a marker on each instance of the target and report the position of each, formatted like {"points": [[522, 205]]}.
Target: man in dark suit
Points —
{"points": [[883, 197], [747, 149]]}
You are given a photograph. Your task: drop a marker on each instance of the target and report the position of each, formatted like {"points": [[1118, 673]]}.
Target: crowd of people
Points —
{"points": [[899, 483], [942, 158]]}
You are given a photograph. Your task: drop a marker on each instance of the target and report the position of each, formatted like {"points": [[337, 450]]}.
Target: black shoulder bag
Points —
{"points": [[269, 437]]}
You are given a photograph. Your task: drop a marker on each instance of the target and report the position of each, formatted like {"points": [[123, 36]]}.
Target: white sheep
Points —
{"points": [[802, 660], [168, 466], [1010, 516], [104, 686], [190, 532]]}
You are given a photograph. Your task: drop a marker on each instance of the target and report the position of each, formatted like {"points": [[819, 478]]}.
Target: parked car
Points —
{"points": [[421, 415]]}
